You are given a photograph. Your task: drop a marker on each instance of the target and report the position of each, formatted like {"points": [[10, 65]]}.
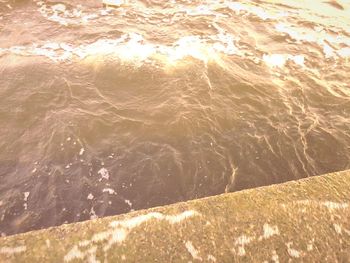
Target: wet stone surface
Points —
{"points": [[299, 221]]}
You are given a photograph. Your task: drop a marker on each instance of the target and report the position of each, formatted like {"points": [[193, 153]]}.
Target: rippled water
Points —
{"points": [[104, 110]]}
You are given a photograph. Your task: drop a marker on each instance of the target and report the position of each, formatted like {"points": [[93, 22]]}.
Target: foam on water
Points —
{"points": [[60, 14], [318, 36], [133, 46]]}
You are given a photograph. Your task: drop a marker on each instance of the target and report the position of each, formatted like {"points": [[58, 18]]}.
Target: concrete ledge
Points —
{"points": [[299, 221]]}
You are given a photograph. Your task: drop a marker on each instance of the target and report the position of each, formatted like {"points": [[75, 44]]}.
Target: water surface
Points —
{"points": [[104, 111]]}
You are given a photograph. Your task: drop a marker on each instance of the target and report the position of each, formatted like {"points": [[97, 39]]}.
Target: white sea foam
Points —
{"points": [[317, 36], [109, 191], [104, 173], [279, 60], [93, 213], [128, 202], [113, 2], [344, 52], [134, 47], [264, 14], [26, 195], [60, 14], [81, 152]]}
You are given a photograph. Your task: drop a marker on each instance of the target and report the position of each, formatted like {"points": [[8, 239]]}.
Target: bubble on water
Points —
{"points": [[81, 152], [104, 173]]}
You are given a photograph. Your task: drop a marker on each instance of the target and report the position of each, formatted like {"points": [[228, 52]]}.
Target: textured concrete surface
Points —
{"points": [[300, 221]]}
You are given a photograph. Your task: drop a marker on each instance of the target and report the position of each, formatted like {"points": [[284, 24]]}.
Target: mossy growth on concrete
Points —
{"points": [[299, 221]]}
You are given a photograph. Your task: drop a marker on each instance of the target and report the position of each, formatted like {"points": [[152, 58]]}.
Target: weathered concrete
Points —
{"points": [[300, 221]]}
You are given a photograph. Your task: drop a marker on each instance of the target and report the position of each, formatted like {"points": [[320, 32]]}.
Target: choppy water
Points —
{"points": [[103, 111]]}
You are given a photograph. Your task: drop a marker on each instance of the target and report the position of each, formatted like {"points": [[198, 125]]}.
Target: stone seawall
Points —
{"points": [[299, 221]]}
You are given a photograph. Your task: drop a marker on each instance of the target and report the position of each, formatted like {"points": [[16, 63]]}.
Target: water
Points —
{"points": [[104, 111]]}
